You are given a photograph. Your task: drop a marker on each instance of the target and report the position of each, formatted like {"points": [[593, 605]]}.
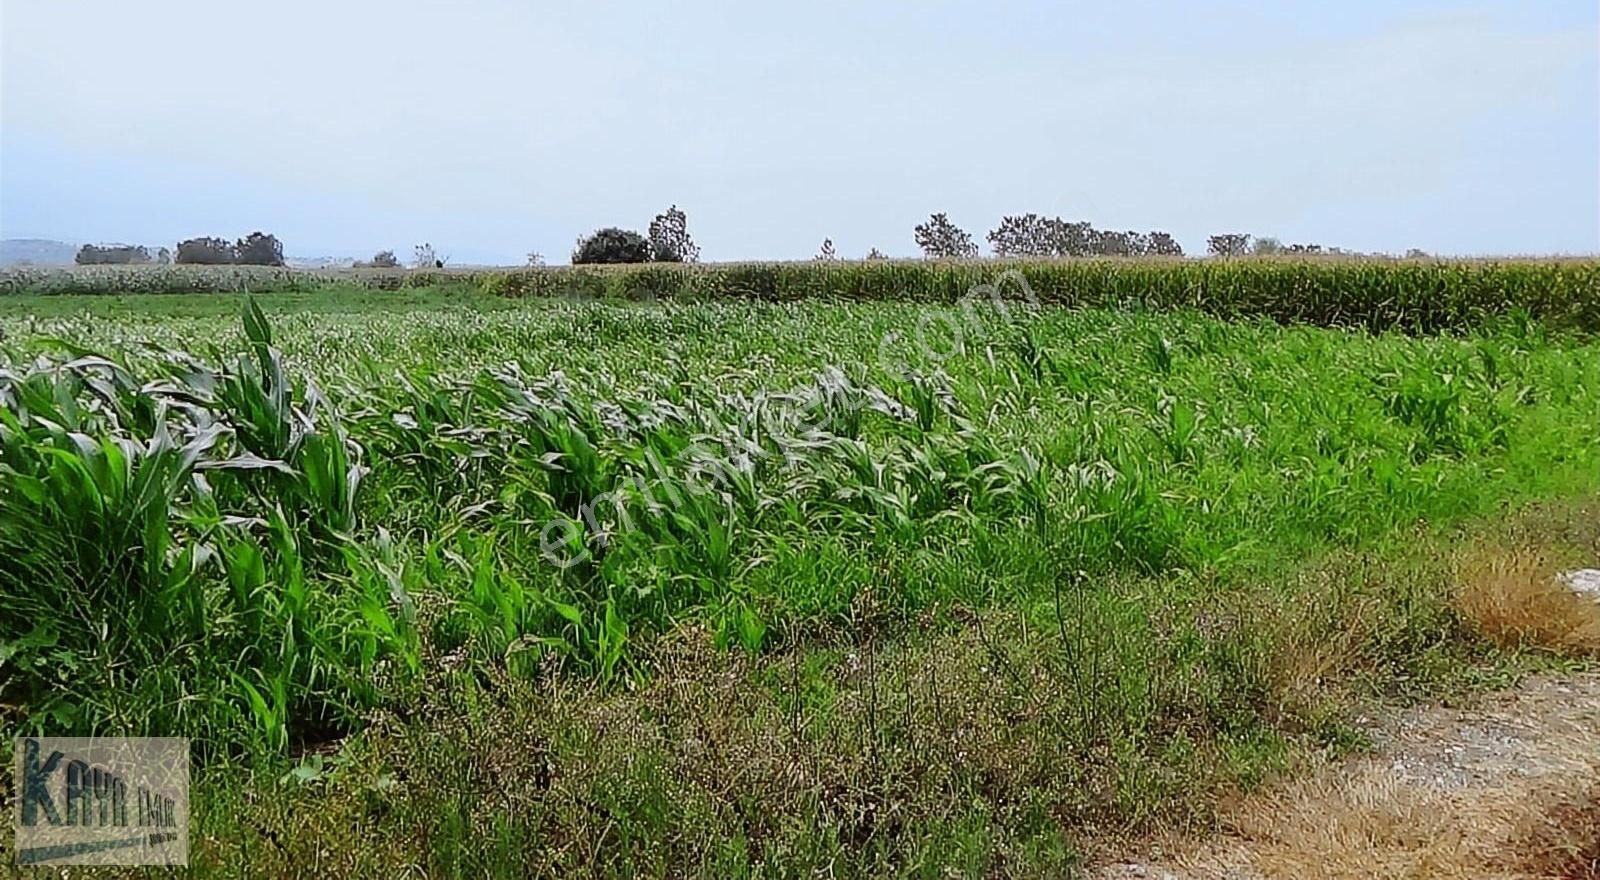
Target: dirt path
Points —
{"points": [[1506, 788]]}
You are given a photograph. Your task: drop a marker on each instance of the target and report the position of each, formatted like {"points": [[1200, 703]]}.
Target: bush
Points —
{"points": [[613, 245]]}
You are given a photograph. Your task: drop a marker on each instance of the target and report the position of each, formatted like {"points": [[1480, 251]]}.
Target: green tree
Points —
{"points": [[941, 239], [612, 245], [258, 249], [111, 255], [1024, 235], [1110, 243], [1228, 244], [1032, 235], [1162, 244], [670, 241], [204, 251]]}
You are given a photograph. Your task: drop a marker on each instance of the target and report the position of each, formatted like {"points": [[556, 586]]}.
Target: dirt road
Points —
{"points": [[1508, 787]]}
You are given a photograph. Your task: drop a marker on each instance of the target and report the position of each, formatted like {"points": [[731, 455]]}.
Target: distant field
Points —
{"points": [[331, 298], [1414, 295], [820, 582]]}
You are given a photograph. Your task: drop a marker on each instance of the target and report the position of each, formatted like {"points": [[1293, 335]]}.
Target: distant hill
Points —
{"points": [[37, 251]]}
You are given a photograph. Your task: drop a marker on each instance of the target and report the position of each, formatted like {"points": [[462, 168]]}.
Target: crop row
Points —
{"points": [[1415, 296]]}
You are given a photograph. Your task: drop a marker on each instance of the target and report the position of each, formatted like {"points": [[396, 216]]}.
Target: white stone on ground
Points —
{"points": [[1584, 582]]}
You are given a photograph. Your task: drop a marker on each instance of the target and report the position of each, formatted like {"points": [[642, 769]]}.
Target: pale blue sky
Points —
{"points": [[493, 127]]}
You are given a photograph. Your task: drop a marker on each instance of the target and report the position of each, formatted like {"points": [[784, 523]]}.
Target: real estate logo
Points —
{"points": [[102, 800]]}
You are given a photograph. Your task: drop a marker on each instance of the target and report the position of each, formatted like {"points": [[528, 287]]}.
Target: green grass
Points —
{"points": [[930, 583]]}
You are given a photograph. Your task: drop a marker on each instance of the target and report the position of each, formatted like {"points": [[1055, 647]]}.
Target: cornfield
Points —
{"points": [[259, 537], [377, 553], [1415, 296]]}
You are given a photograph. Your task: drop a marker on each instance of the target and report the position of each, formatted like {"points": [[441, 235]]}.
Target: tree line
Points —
{"points": [[255, 249], [120, 254], [667, 240], [1021, 235]]}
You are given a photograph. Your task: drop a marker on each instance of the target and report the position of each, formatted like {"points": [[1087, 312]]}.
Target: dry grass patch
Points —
{"points": [[1513, 598], [1563, 842], [1372, 824], [1366, 826], [1503, 790]]}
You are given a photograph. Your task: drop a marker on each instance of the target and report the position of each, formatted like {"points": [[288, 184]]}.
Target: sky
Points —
{"points": [[492, 128]]}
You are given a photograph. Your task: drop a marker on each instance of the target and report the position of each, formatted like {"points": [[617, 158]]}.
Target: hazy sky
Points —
{"points": [[492, 127]]}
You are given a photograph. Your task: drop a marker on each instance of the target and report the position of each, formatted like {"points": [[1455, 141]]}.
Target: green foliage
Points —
{"points": [[613, 245]]}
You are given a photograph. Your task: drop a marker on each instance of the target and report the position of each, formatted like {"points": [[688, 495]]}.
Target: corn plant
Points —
{"points": [[153, 549]]}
